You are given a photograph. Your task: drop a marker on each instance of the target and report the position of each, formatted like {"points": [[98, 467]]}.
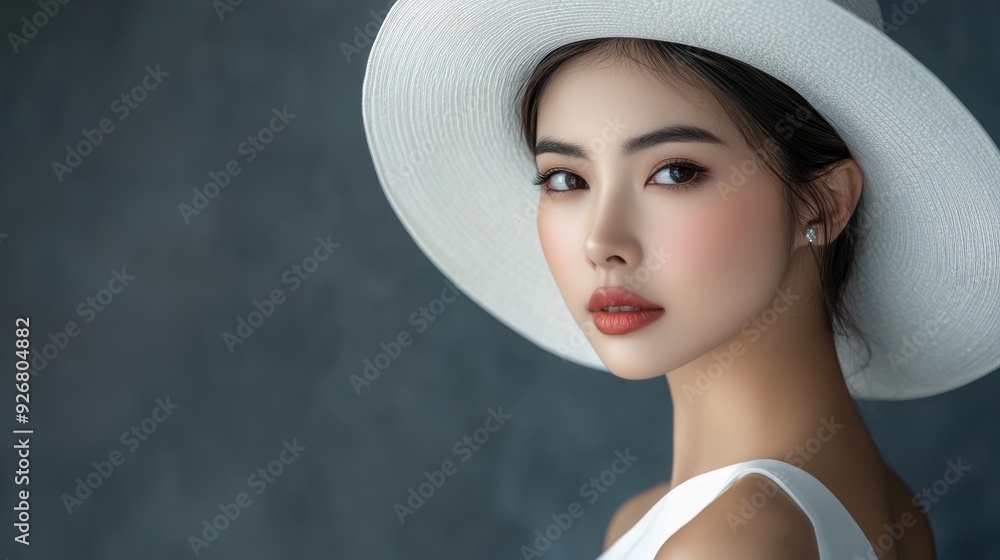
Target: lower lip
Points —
{"points": [[623, 322]]}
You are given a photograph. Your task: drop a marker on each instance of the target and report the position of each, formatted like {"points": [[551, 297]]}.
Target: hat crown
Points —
{"points": [[867, 10]]}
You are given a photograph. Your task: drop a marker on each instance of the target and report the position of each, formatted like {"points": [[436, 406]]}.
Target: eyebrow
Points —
{"points": [[675, 133]]}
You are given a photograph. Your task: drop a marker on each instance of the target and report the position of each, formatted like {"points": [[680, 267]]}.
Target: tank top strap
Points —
{"points": [[838, 536]]}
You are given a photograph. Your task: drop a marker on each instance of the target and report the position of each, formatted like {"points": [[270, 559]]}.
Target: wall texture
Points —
{"points": [[145, 398]]}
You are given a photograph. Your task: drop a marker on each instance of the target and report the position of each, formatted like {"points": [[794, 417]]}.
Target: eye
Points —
{"points": [[678, 174], [674, 174], [558, 181]]}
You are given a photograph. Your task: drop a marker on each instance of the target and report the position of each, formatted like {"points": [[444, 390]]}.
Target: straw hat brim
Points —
{"points": [[440, 108]]}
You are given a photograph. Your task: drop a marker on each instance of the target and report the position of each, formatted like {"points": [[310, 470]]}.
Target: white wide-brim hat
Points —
{"points": [[441, 115]]}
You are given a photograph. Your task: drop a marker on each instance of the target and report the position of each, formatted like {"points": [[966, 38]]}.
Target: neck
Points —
{"points": [[775, 391]]}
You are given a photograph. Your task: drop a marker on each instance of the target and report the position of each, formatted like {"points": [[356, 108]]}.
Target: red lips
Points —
{"points": [[617, 297], [621, 322]]}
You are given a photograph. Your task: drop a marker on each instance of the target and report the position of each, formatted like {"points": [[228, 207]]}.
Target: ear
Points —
{"points": [[842, 184]]}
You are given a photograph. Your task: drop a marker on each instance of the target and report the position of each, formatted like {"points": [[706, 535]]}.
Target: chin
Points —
{"points": [[637, 356], [629, 362]]}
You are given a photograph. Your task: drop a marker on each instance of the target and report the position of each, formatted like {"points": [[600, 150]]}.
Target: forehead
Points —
{"points": [[589, 89]]}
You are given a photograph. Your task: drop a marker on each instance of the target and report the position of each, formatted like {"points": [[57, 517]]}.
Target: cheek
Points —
{"points": [[558, 239], [718, 240], [726, 249]]}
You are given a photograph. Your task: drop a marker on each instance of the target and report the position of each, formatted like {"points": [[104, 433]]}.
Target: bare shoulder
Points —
{"points": [[632, 511], [752, 520]]}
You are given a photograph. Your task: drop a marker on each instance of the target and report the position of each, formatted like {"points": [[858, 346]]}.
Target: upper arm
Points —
{"points": [[752, 520]]}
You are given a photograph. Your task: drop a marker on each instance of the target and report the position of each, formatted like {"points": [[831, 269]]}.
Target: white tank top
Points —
{"points": [[838, 536]]}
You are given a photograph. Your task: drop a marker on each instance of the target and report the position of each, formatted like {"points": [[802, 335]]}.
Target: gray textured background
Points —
{"points": [[162, 335]]}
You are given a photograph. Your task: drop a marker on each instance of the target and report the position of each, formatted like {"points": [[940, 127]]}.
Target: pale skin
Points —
{"points": [[727, 265]]}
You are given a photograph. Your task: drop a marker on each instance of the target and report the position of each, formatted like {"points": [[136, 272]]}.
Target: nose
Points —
{"points": [[612, 239]]}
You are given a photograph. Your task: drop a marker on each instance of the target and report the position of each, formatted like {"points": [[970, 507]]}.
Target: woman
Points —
{"points": [[709, 180], [734, 252]]}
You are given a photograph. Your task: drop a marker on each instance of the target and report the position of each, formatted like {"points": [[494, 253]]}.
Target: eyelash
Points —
{"points": [[541, 179]]}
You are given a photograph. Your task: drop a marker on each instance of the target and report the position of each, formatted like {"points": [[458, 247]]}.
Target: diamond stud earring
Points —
{"points": [[810, 235]]}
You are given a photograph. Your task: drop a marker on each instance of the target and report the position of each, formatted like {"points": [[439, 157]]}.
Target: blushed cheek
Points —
{"points": [[719, 241], [555, 239], [546, 236], [715, 267], [728, 258]]}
